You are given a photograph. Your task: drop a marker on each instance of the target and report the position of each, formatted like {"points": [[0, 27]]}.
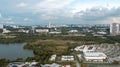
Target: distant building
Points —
{"points": [[42, 30], [115, 29], [32, 30], [49, 25], [16, 64], [94, 56], [101, 32], [53, 57], [6, 31], [86, 48], [23, 64], [67, 58], [51, 65], [55, 32], [31, 64], [24, 31], [66, 66], [1, 26], [73, 31], [15, 26], [108, 31]]}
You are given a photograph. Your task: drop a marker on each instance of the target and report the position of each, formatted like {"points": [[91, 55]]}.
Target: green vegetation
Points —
{"points": [[43, 49], [22, 37], [115, 62], [45, 45], [3, 62]]}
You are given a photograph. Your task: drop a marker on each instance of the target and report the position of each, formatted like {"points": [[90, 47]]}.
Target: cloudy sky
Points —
{"points": [[35, 12]]}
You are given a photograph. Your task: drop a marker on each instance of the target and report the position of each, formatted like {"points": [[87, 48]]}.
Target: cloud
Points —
{"points": [[68, 11], [52, 4], [99, 14], [48, 17], [0, 15], [88, 4], [22, 5], [26, 19], [112, 20], [7, 22], [8, 19]]}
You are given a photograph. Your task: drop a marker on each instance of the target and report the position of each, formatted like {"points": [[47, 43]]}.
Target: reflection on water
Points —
{"points": [[14, 51]]}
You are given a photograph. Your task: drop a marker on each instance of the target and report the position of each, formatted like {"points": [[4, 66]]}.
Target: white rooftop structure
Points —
{"points": [[101, 32], [67, 58], [53, 57], [42, 30], [86, 48], [51, 65], [16, 64], [6, 31], [73, 31], [54, 32], [94, 56]]}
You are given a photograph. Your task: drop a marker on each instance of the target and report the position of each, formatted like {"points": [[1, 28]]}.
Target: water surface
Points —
{"points": [[14, 51]]}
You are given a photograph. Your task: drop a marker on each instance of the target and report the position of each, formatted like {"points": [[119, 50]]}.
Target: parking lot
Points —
{"points": [[111, 50]]}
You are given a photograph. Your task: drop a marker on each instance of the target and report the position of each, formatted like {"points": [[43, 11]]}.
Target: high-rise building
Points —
{"points": [[115, 29], [49, 25], [1, 26]]}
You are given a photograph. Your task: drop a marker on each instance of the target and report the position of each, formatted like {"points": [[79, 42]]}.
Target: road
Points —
{"points": [[77, 64], [77, 61]]}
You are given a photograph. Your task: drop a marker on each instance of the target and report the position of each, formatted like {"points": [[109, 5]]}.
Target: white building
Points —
{"points": [[16, 64], [42, 30], [73, 31], [86, 48], [31, 64], [22, 64], [53, 57], [1, 26], [55, 32], [51, 65], [101, 32], [24, 31], [67, 58], [115, 29], [49, 25], [66, 66], [94, 56], [6, 31], [14, 26]]}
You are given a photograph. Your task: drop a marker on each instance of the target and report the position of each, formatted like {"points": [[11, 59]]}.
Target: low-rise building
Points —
{"points": [[31, 64], [6, 31], [103, 33], [67, 58], [66, 66], [23, 64], [24, 31], [42, 30], [73, 31], [53, 57], [16, 64], [51, 65], [86, 48], [55, 32], [94, 56]]}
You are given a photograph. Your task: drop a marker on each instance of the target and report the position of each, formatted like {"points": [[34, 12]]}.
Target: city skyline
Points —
{"points": [[59, 12]]}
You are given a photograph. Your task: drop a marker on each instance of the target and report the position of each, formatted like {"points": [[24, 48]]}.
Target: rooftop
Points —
{"points": [[94, 54]]}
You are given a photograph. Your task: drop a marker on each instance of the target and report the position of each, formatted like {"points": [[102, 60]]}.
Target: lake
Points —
{"points": [[14, 51]]}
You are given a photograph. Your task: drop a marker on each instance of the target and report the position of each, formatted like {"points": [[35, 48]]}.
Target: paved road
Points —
{"points": [[77, 64]]}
